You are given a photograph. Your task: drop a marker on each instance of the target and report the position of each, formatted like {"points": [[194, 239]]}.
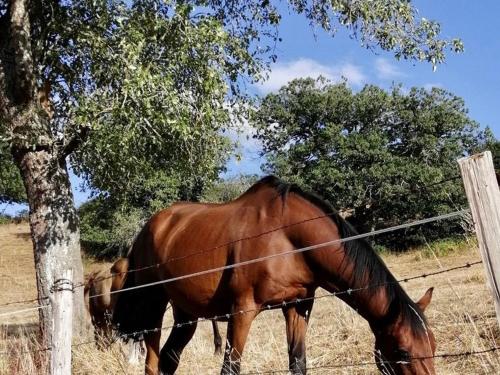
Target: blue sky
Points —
{"points": [[473, 75]]}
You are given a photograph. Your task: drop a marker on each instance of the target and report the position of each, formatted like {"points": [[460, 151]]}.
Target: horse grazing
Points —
{"points": [[270, 219], [98, 285]]}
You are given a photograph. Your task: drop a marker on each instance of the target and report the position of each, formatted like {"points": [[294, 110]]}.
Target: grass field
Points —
{"points": [[461, 315]]}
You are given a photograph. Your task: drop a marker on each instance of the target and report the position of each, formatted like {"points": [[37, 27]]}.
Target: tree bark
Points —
{"points": [[54, 229], [42, 161]]}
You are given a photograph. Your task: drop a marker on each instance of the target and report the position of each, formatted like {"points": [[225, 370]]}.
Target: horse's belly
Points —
{"points": [[200, 298]]}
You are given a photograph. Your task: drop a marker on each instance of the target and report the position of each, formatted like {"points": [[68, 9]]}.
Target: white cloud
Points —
{"points": [[283, 73], [387, 70]]}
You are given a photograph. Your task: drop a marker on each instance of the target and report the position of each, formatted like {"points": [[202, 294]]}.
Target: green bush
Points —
{"points": [[226, 190], [389, 157], [108, 231], [5, 219]]}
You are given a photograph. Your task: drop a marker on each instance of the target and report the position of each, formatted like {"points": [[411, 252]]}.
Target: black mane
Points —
{"points": [[361, 254]]}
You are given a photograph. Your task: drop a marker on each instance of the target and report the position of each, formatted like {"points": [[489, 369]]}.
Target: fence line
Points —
{"points": [[284, 303], [367, 363], [138, 334], [22, 301], [411, 189], [290, 252], [363, 235], [256, 260], [24, 310]]}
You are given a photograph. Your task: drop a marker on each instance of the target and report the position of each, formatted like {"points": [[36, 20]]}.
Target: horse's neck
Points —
{"points": [[372, 303], [335, 271]]}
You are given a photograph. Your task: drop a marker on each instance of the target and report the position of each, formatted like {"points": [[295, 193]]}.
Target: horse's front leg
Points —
{"points": [[152, 341], [297, 317], [217, 338], [182, 332], [237, 333]]}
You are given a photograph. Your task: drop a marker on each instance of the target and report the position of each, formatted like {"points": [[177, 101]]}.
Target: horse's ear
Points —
{"points": [[119, 271], [426, 299]]}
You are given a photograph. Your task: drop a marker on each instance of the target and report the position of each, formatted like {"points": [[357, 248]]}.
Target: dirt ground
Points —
{"points": [[462, 317]]}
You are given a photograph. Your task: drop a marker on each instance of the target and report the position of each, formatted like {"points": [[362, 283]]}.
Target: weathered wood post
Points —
{"points": [[482, 191], [62, 311]]}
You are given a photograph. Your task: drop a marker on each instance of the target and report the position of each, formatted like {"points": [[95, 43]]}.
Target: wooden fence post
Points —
{"points": [[482, 191], [62, 313]]}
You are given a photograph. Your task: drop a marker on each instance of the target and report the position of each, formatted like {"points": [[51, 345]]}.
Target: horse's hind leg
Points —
{"points": [[178, 339], [217, 338], [297, 318]]}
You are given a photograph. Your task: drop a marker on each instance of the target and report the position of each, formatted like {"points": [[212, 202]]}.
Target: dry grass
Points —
{"points": [[461, 314]]}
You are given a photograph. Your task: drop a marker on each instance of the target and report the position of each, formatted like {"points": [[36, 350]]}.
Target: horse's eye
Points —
{"points": [[403, 355]]}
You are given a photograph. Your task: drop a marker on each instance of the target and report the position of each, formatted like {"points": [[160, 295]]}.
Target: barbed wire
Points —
{"points": [[286, 253], [24, 310], [285, 303], [251, 261], [23, 301], [371, 363], [138, 334]]}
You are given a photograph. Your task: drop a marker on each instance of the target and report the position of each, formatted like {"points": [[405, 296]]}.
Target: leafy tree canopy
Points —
{"points": [[373, 152], [229, 189], [155, 80]]}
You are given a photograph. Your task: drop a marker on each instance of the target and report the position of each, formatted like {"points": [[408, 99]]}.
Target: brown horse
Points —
{"points": [[100, 305], [284, 215]]}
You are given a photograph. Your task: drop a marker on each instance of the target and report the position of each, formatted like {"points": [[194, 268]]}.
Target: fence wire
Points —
{"points": [[455, 214], [459, 213], [285, 253], [139, 334], [282, 304], [372, 363]]}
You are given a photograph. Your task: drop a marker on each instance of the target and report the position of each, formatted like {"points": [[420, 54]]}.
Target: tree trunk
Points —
{"points": [[40, 156], [54, 228]]}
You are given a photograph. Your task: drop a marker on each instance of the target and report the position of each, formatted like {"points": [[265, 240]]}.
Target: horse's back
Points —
{"points": [[187, 238]]}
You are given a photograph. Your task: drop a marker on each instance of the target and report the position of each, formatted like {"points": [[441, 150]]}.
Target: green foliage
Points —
{"points": [[159, 88], [227, 190], [108, 231], [494, 146], [392, 25], [20, 216], [448, 246], [372, 152], [11, 185], [5, 219], [156, 82]]}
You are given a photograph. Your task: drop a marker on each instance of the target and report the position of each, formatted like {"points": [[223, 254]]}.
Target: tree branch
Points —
{"points": [[72, 143], [4, 32], [24, 86]]}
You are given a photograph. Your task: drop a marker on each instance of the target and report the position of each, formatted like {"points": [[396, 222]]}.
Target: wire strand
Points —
{"points": [[204, 251], [371, 363], [138, 334], [285, 253]]}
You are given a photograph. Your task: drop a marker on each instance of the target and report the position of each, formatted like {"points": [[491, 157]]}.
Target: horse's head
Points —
{"points": [[402, 348], [119, 276], [100, 302]]}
